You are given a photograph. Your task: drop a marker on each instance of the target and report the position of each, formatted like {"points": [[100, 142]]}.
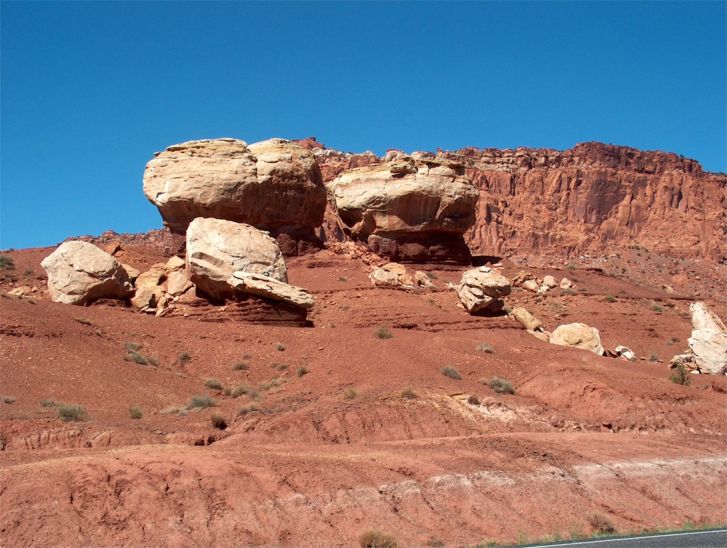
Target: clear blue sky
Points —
{"points": [[91, 90]]}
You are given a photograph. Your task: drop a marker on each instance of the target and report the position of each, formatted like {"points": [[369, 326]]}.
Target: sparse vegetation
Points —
{"points": [[47, 403], [184, 358], [133, 354], [501, 386], [280, 347], [656, 308], [280, 366], [248, 409], [601, 524], [342, 279], [611, 299], [473, 400], [7, 399], [214, 384], [243, 390], [350, 394], [377, 539], [6, 263], [570, 266], [486, 348], [272, 383], [408, 394], [452, 373], [653, 357], [136, 412], [201, 402], [301, 371], [383, 333], [71, 413], [218, 422], [83, 321], [241, 366], [681, 376]]}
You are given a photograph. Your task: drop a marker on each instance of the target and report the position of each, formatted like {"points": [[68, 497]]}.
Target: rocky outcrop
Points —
{"points": [[274, 185], [481, 290], [708, 341], [577, 200], [216, 249], [574, 201], [408, 209], [578, 335], [80, 273]]}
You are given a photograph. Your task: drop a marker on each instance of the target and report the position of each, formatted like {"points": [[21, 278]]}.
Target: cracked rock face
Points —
{"points": [[708, 341], [80, 273], [216, 249], [410, 209], [273, 185]]}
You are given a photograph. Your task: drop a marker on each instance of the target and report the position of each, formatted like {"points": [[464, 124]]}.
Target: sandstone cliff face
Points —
{"points": [[584, 199]]}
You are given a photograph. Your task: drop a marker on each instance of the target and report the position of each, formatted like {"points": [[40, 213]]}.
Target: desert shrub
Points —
{"points": [[486, 348], [151, 360], [342, 279], [214, 384], [248, 409], [47, 403], [7, 399], [610, 299], [350, 394], [6, 263], [136, 412], [383, 333], [241, 366], [272, 383], [69, 413], [218, 422], [132, 347], [280, 347], [570, 266], [501, 386], [473, 400], [681, 376], [244, 389], [601, 524], [136, 357], [83, 321], [301, 371], [654, 357], [280, 366], [184, 358], [452, 373], [656, 308], [408, 394], [377, 539], [201, 401]]}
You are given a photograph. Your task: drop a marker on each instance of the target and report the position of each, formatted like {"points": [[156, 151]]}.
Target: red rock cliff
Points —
{"points": [[585, 199]]}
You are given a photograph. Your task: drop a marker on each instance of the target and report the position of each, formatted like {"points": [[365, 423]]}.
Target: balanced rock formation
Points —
{"points": [[408, 209], [708, 341], [578, 335], [273, 185], [481, 290], [80, 273], [216, 249]]}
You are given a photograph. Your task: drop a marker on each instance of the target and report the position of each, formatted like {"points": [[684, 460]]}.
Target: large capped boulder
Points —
{"points": [[409, 209], [273, 185], [216, 249], [578, 335], [708, 342], [481, 290], [80, 273]]}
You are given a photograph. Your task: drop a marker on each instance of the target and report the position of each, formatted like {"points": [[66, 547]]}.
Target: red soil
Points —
{"points": [[339, 450]]}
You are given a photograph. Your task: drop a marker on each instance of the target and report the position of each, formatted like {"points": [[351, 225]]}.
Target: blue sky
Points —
{"points": [[91, 90]]}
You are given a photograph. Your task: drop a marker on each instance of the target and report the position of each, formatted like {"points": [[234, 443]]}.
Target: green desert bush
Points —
{"points": [[485, 348], [184, 358], [218, 422], [350, 394], [383, 333], [681, 376], [201, 401], [136, 412], [302, 370], [248, 409], [71, 413], [214, 384], [452, 373], [408, 394], [501, 386], [377, 539]]}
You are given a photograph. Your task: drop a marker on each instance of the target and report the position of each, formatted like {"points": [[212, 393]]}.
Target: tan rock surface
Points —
{"points": [[481, 290], [217, 248], [265, 286], [708, 341], [578, 335], [80, 273]]}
